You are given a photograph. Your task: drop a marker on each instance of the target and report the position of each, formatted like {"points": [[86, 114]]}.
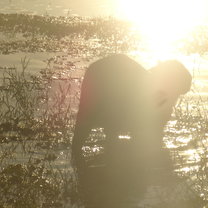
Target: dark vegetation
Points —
{"points": [[37, 112], [34, 131]]}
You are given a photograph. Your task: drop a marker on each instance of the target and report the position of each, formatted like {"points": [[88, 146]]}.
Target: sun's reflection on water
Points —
{"points": [[125, 137]]}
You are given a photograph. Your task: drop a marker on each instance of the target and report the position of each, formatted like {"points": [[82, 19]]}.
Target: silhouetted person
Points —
{"points": [[120, 96]]}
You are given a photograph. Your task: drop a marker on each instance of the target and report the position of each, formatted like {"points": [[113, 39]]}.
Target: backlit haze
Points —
{"points": [[162, 25], [163, 22]]}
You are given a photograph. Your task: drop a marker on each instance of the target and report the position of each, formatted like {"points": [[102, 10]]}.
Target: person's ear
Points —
{"points": [[161, 97]]}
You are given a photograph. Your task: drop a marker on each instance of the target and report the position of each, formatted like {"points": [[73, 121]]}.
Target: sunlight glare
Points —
{"points": [[162, 22]]}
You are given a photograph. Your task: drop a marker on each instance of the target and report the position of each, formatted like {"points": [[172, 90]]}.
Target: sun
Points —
{"points": [[163, 22]]}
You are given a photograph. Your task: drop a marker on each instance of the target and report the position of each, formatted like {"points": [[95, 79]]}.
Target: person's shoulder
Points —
{"points": [[118, 62]]}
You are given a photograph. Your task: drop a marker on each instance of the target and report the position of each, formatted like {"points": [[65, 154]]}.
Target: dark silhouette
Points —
{"points": [[120, 96]]}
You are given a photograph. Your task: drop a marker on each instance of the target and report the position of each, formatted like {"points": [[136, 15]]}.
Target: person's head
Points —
{"points": [[169, 80]]}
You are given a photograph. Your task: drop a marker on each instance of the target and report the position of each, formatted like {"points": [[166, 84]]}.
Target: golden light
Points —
{"points": [[163, 22]]}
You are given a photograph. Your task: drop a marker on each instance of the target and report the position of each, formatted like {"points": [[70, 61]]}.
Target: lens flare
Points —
{"points": [[163, 22]]}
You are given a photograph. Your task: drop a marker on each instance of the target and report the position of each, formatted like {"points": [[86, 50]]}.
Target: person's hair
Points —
{"points": [[173, 71]]}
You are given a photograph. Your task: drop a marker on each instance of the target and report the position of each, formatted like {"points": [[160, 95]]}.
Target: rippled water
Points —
{"points": [[186, 143], [184, 136]]}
